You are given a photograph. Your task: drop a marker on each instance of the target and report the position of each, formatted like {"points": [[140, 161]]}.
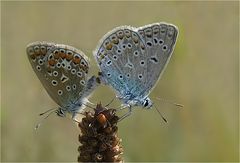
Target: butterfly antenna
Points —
{"points": [[110, 102], [164, 119], [47, 111], [170, 102], [41, 121]]}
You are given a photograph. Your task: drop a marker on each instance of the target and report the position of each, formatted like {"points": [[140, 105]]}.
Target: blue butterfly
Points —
{"points": [[132, 60]]}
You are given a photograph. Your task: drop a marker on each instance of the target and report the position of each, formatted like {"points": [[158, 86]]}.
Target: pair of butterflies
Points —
{"points": [[130, 59]]}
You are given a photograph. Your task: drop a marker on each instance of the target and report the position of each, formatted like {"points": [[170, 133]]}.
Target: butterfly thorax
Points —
{"points": [[136, 101], [61, 112]]}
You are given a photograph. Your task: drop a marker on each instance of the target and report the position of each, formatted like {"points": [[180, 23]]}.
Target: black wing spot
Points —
{"points": [[149, 43], [155, 40], [154, 59], [108, 74], [160, 42], [109, 62], [120, 77], [164, 47]]}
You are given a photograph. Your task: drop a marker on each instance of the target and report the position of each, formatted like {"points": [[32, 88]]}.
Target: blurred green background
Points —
{"points": [[202, 75]]}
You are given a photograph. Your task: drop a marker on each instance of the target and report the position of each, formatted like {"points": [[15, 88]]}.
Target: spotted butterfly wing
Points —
{"points": [[160, 40], [131, 61], [63, 71], [117, 55]]}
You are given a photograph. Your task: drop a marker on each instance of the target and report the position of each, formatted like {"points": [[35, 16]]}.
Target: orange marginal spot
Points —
{"points": [[76, 60], [62, 55], [37, 53], [51, 62], [43, 53], [109, 46], [69, 57], [32, 56], [56, 55]]}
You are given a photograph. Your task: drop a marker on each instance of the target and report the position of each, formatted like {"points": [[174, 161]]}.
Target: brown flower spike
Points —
{"points": [[98, 138]]}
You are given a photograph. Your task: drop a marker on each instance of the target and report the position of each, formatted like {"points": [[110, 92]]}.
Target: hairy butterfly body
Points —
{"points": [[132, 60], [63, 71]]}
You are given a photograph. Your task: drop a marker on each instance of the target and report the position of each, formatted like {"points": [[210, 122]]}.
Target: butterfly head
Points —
{"points": [[61, 112], [147, 103]]}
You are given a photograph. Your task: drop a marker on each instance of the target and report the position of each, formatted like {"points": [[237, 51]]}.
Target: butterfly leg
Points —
{"points": [[126, 114], [110, 102]]}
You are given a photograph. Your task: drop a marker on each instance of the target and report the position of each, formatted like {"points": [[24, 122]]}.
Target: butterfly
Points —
{"points": [[63, 71], [131, 60]]}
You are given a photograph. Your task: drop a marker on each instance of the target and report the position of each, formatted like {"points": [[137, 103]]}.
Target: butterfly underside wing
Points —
{"points": [[160, 40], [62, 70], [132, 59], [117, 56]]}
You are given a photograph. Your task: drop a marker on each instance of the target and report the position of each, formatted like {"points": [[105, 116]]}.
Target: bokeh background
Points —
{"points": [[202, 74]]}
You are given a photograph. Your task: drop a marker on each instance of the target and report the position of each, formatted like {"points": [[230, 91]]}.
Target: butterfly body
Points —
{"points": [[63, 71], [132, 60]]}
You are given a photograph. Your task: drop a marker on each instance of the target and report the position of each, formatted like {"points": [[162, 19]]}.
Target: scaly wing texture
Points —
{"points": [[160, 39], [120, 56], [61, 69]]}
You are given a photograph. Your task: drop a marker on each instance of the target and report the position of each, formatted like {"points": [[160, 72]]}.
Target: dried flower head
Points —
{"points": [[98, 138]]}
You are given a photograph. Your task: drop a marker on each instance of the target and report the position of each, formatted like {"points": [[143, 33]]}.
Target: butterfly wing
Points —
{"points": [[119, 55], [61, 69], [160, 40]]}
